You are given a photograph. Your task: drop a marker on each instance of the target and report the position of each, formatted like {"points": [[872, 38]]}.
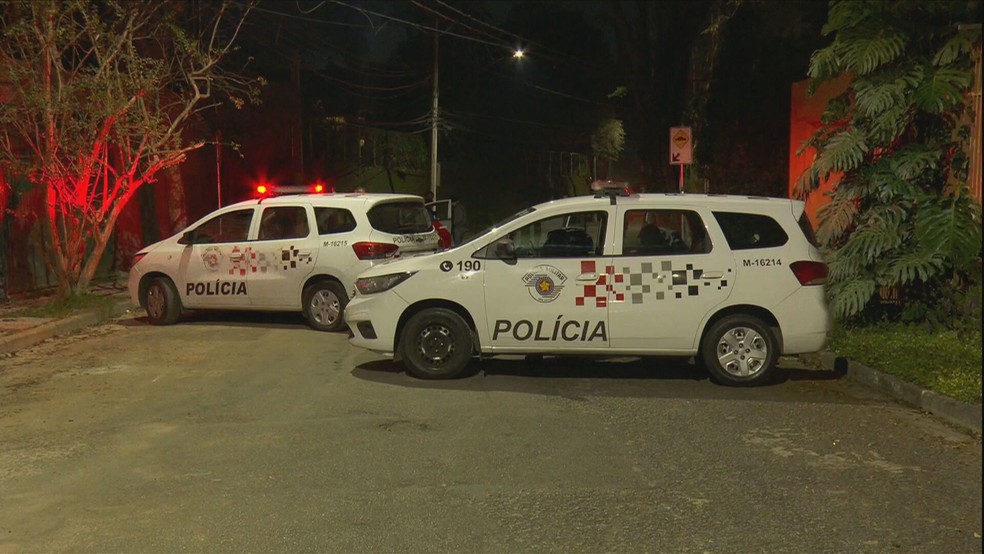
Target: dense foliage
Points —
{"points": [[901, 218]]}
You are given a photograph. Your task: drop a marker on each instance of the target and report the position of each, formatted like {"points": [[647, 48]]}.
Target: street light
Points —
{"points": [[517, 54]]}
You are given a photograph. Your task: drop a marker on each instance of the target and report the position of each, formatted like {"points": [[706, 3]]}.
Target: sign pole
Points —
{"points": [[681, 177]]}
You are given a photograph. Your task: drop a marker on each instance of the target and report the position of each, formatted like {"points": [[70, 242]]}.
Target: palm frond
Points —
{"points": [[890, 124], [864, 49], [959, 46], [950, 226], [872, 240], [912, 161], [843, 152], [845, 14], [942, 89], [824, 64], [849, 298], [874, 96], [908, 267], [843, 268], [835, 217]]}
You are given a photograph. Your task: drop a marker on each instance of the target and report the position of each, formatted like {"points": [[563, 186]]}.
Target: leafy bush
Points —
{"points": [[901, 216]]}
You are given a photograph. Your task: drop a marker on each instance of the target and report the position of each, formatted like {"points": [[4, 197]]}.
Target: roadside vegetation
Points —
{"points": [[902, 228], [944, 361], [56, 307]]}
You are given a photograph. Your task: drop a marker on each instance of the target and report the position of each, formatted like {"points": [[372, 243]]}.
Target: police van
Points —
{"points": [[733, 281], [284, 253]]}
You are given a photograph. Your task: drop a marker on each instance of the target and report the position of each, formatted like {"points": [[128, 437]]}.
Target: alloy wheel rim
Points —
{"points": [[742, 352], [325, 307]]}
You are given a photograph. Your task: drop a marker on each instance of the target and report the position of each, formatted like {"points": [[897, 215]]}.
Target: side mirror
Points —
{"points": [[505, 250]]}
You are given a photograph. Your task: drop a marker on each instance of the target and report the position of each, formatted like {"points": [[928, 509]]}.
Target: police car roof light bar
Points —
{"points": [[611, 189]]}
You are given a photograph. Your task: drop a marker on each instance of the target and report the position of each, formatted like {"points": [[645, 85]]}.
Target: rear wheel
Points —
{"points": [[162, 302], [739, 350], [324, 305], [436, 344]]}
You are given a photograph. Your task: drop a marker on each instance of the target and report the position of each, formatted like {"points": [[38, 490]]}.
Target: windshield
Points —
{"points": [[496, 225]]}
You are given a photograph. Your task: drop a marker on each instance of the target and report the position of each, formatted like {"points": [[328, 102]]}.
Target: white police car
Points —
{"points": [[286, 253], [734, 281]]}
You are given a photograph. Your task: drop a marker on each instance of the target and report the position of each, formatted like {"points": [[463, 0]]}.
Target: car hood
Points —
{"points": [[415, 263]]}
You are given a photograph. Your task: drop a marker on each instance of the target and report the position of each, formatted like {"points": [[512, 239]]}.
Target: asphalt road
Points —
{"points": [[253, 433]]}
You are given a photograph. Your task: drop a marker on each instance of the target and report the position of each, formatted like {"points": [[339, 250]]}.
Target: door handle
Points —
{"points": [[712, 275], [592, 277]]}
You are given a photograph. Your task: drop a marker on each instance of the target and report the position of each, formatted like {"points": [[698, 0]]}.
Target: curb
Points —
{"points": [[30, 337], [953, 411]]}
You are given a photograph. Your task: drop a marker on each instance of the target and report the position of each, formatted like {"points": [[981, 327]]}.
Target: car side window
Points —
{"points": [[228, 227], [334, 220], [284, 222], [571, 235], [663, 232], [748, 231]]}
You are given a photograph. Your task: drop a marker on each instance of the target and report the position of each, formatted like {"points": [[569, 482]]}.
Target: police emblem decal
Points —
{"points": [[544, 282], [212, 257]]}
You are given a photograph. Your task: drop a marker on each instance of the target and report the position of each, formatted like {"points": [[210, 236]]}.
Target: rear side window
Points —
{"points": [[661, 232], [284, 222], [399, 218], [807, 228], [749, 231], [228, 227], [334, 220]]}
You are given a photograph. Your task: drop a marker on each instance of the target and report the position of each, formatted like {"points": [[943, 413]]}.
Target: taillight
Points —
{"points": [[809, 273], [374, 250], [137, 257]]}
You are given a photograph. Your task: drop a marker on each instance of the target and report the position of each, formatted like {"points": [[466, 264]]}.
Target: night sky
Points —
{"points": [[513, 132]]}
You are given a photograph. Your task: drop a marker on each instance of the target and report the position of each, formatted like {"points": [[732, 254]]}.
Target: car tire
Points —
{"points": [[324, 305], [436, 344], [739, 350], [162, 302]]}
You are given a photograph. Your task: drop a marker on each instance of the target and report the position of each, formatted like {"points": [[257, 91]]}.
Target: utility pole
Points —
{"points": [[434, 115]]}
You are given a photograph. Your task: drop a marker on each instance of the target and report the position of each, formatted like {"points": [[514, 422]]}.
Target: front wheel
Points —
{"points": [[436, 344], [162, 302], [739, 350], [324, 305]]}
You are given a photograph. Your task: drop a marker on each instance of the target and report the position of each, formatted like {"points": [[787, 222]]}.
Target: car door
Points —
{"points": [[210, 265], [673, 271], [545, 287], [281, 257]]}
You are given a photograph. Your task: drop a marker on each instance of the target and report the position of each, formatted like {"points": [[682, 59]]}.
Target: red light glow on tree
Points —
{"points": [[92, 125]]}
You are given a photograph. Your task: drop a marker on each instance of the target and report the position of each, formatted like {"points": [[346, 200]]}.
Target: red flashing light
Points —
{"points": [[261, 189], [318, 188], [374, 250]]}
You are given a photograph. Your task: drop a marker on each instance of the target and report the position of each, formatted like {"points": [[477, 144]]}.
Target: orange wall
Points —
{"points": [[804, 120]]}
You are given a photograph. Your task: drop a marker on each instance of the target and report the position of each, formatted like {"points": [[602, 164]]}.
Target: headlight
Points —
{"points": [[372, 285]]}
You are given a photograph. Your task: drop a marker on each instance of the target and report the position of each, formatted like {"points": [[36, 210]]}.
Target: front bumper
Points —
{"points": [[133, 286], [373, 320]]}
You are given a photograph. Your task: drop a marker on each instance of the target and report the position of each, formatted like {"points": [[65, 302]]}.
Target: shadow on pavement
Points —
{"points": [[278, 320], [581, 376]]}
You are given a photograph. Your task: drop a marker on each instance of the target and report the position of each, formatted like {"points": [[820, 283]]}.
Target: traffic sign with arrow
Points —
{"points": [[681, 146]]}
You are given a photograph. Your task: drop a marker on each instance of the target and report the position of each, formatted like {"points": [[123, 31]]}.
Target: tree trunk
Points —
{"points": [[176, 204]]}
